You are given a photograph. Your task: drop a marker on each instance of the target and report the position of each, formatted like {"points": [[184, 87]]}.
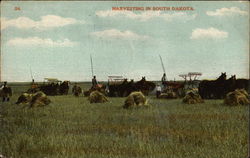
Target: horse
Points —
{"points": [[50, 89], [243, 84], [64, 88], [113, 90], [124, 88], [129, 88], [117, 89], [120, 89], [213, 88], [230, 85], [144, 86]]}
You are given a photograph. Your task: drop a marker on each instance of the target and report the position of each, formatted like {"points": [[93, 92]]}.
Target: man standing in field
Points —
{"points": [[94, 82], [5, 92], [34, 87], [163, 79], [158, 90]]}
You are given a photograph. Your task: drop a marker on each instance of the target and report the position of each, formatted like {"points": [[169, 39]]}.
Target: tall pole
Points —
{"points": [[91, 66], [162, 65], [31, 74]]}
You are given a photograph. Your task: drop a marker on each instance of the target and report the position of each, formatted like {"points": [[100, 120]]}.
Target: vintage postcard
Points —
{"points": [[119, 79]]}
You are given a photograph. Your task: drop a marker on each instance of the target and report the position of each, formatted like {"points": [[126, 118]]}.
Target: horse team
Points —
{"points": [[208, 89], [54, 89], [125, 88], [217, 89]]}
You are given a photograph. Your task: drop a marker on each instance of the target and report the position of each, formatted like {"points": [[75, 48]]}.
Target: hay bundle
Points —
{"points": [[237, 97], [34, 100], [25, 98], [242, 91], [168, 95], [97, 97], [39, 99], [192, 97], [135, 99]]}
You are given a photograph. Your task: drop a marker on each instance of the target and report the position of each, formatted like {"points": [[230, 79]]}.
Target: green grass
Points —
{"points": [[72, 127]]}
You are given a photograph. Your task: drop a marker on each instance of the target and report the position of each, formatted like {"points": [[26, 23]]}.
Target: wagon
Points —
{"points": [[115, 86], [115, 80], [51, 80]]}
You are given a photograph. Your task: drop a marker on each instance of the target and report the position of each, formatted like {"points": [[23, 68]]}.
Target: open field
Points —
{"points": [[72, 127]]}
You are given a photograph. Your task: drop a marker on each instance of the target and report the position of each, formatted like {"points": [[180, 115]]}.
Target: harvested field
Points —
{"points": [[72, 127]]}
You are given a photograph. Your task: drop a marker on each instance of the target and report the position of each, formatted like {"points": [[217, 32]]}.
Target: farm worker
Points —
{"points": [[158, 90], [163, 79], [94, 82], [33, 84], [34, 87], [107, 89], [5, 92]]}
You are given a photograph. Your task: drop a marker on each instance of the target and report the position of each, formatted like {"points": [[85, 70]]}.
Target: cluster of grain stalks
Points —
{"points": [[34, 100], [192, 97], [237, 97], [135, 99], [74, 127], [97, 97]]}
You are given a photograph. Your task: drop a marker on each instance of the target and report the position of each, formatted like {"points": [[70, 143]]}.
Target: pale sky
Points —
{"points": [[55, 39]]}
